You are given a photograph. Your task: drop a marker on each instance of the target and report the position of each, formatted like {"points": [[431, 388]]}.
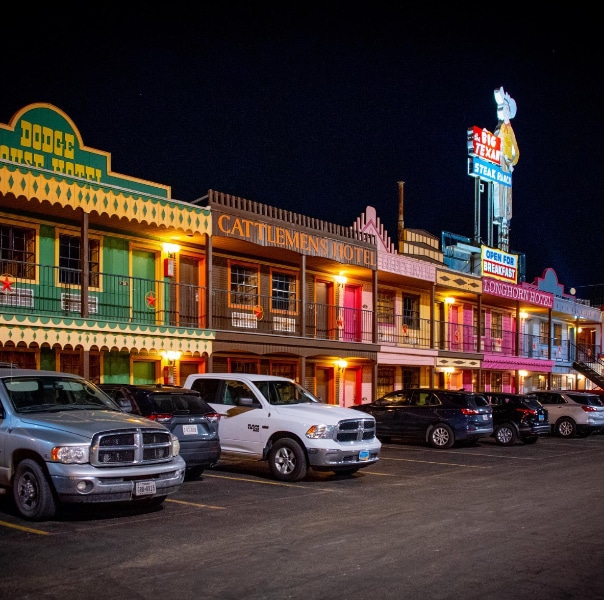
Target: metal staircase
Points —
{"points": [[587, 363]]}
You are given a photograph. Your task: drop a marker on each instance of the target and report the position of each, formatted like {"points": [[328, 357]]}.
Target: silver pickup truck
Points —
{"points": [[62, 440]]}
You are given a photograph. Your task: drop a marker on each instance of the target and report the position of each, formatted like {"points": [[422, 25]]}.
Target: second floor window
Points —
{"points": [[18, 251], [385, 307], [411, 311], [244, 285], [284, 292], [557, 334], [496, 325], [544, 332], [70, 265]]}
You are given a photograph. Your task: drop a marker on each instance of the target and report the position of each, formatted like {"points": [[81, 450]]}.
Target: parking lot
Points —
{"points": [[475, 521]]}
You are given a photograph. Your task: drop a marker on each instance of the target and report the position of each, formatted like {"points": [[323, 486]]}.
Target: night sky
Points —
{"points": [[323, 109]]}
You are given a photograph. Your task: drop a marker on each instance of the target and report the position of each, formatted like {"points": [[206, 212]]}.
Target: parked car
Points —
{"points": [[517, 417], [572, 413], [438, 417], [184, 412], [64, 441], [275, 419]]}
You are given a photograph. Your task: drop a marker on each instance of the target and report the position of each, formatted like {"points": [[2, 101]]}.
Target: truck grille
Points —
{"points": [[355, 430], [131, 446]]}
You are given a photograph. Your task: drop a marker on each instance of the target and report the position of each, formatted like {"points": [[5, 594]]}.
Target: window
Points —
{"points": [[496, 325], [557, 334], [70, 267], [385, 307], [385, 381], [17, 251], [244, 285], [483, 315], [284, 369], [283, 296], [544, 332], [411, 311]]}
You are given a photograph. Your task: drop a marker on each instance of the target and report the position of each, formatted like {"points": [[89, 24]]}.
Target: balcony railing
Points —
{"points": [[53, 291]]}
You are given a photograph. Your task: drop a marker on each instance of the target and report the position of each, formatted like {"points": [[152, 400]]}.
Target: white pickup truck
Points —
{"points": [[276, 419]]}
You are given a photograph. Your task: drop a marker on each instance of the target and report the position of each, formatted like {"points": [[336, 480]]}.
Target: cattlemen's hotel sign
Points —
{"points": [[266, 234]]}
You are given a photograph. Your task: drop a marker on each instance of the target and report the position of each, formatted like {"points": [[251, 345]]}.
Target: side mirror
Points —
{"points": [[246, 402]]}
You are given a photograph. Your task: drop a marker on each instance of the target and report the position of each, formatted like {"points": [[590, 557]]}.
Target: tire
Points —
{"points": [[287, 460], [33, 496], [194, 472], [530, 440], [505, 434], [566, 428], [441, 436]]}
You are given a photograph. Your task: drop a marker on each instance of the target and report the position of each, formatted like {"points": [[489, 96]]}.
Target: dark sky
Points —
{"points": [[323, 109]]}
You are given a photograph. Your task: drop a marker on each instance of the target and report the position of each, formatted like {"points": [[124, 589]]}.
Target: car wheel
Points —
{"points": [[287, 460], [32, 493], [194, 472], [566, 428], [530, 440], [441, 436], [505, 434]]}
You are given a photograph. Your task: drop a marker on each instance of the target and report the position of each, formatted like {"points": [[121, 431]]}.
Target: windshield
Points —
{"points": [[285, 392], [37, 394]]}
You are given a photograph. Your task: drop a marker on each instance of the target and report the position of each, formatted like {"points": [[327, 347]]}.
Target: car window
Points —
{"points": [[399, 398], [532, 402], [285, 392], [32, 394], [585, 400], [208, 388], [234, 391], [190, 404]]}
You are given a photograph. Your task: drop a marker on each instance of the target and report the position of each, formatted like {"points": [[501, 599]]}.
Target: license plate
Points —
{"points": [[541, 417], [144, 488], [189, 429], [364, 455], [485, 417]]}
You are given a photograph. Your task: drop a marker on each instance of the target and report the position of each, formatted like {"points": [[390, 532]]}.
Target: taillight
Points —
{"points": [[527, 411], [589, 408], [469, 411], [213, 416], [160, 417]]}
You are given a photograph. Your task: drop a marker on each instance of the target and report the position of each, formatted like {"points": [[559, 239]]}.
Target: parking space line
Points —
{"points": [[434, 462], [277, 483], [195, 504], [21, 528]]}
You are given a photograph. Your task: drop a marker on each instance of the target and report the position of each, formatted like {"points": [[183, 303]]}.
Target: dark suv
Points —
{"points": [[184, 412], [438, 417], [517, 417]]}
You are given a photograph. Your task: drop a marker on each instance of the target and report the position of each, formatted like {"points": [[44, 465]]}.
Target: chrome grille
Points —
{"points": [[355, 430], [131, 446]]}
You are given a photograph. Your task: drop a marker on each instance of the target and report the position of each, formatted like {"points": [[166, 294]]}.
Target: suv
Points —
{"points": [[572, 413], [438, 417], [517, 416], [63, 440], [184, 412], [276, 419]]}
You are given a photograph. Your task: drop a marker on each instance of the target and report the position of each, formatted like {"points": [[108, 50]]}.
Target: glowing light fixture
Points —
{"points": [[171, 248], [171, 355], [341, 364], [449, 300], [523, 314], [340, 279]]}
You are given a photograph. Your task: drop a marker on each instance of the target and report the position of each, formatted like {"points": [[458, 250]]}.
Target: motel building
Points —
{"points": [[108, 276]]}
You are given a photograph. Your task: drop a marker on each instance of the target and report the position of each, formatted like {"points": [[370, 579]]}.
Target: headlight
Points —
{"points": [[320, 432], [70, 454], [175, 446]]}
